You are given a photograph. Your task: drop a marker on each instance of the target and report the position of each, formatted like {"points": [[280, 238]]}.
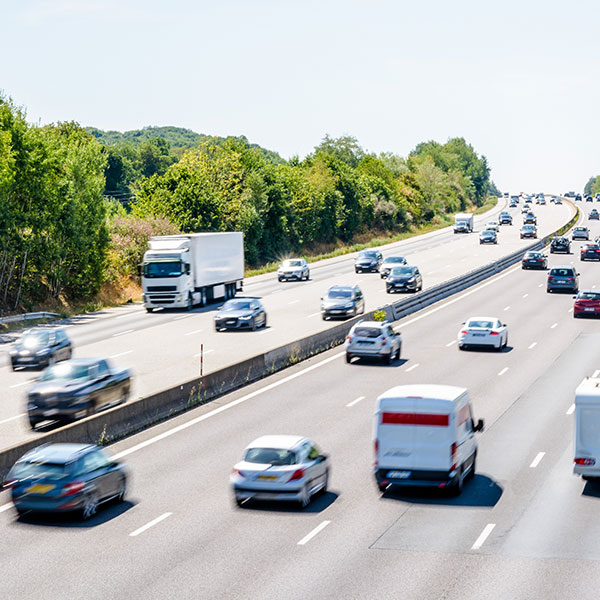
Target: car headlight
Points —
{"points": [[349, 305], [245, 318], [14, 352], [411, 280], [42, 351], [179, 297]]}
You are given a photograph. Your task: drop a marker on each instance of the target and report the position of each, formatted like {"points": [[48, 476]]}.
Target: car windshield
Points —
{"points": [[561, 272], [35, 339], [480, 323], [588, 296], [236, 305], [66, 371], [270, 456], [369, 332], [487, 233], [37, 469], [162, 269], [292, 263], [339, 294], [528, 227], [368, 254], [533, 255], [396, 271], [394, 259]]}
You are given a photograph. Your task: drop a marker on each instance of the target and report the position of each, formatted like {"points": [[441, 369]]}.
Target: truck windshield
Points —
{"points": [[163, 269]]}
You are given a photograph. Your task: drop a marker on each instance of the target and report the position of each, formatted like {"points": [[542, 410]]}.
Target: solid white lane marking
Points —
{"points": [[123, 332], [16, 385], [450, 343], [532, 345], [181, 317], [503, 371], [225, 407], [314, 315], [121, 354], [194, 332], [124, 316], [553, 326], [314, 532], [536, 461], [595, 373], [205, 353], [12, 418], [570, 410], [151, 524], [266, 331], [5, 507], [483, 536], [355, 401], [413, 367], [525, 295], [294, 302], [507, 308]]}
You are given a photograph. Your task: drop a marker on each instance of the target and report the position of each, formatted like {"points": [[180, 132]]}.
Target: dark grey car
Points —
{"points": [[404, 279], [241, 313], [563, 278], [342, 301], [40, 347], [368, 260]]}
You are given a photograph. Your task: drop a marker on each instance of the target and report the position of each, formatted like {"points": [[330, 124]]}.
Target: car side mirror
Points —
{"points": [[503, 324], [322, 457], [478, 426], [574, 297], [139, 270]]}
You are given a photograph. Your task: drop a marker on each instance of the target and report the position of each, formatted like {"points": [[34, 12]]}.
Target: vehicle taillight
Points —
{"points": [[349, 338], [383, 339], [453, 450], [238, 472], [464, 332], [298, 474], [72, 488], [586, 462], [494, 333], [376, 448]]}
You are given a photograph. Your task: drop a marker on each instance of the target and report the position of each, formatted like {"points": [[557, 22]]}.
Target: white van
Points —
{"points": [[425, 436], [587, 429]]}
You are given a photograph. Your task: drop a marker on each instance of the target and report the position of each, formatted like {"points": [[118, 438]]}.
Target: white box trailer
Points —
{"points": [[180, 271], [425, 436], [586, 436], [463, 222]]}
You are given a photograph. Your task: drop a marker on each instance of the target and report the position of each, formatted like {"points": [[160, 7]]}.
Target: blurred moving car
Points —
{"points": [[293, 268], [587, 302], [534, 260], [342, 301], [488, 236], [505, 218], [76, 388], [483, 331], [563, 278], [594, 215], [405, 278], [280, 467], [493, 225], [374, 339], [389, 263], [40, 347], [590, 252], [241, 313], [529, 218], [560, 244], [368, 260], [580, 233], [528, 231], [66, 478]]}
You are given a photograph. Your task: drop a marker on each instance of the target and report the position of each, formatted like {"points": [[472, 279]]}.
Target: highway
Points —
{"points": [[163, 348], [525, 527]]}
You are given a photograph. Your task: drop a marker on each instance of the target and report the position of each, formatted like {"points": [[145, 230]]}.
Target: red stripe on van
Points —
{"points": [[394, 418]]}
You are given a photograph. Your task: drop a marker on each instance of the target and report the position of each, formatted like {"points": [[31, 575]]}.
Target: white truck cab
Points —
{"points": [[586, 461], [463, 223], [425, 436]]}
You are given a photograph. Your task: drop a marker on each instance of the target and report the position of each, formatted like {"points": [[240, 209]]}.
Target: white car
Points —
{"points": [[483, 331], [493, 225], [293, 268], [373, 339], [280, 467]]}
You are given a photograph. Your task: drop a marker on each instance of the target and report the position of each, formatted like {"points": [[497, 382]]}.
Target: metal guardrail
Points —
{"points": [[29, 317]]}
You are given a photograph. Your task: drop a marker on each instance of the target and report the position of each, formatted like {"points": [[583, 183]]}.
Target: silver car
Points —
{"points": [[293, 268], [373, 339], [280, 467], [389, 263]]}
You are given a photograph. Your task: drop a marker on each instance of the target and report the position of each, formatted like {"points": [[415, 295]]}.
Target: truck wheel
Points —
{"points": [[148, 309], [189, 305]]}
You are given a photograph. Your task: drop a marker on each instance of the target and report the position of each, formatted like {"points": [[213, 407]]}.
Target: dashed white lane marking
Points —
{"points": [[507, 308], [194, 332], [293, 302], [151, 524], [536, 461], [532, 345], [595, 373], [16, 385], [5, 507], [525, 295], [12, 418], [314, 532], [483, 536], [125, 316], [314, 315], [411, 368], [181, 317], [266, 331], [593, 286], [570, 310], [450, 343], [205, 353], [503, 371], [541, 284], [123, 332], [121, 354], [570, 410], [553, 326], [355, 401]]}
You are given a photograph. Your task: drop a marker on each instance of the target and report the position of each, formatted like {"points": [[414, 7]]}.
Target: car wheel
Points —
{"points": [[253, 327], [388, 359], [265, 322], [462, 347], [124, 395], [217, 328], [505, 342], [576, 315], [238, 501], [90, 408], [13, 367], [356, 271], [325, 487], [382, 487], [398, 352], [122, 490], [149, 309], [90, 505], [304, 497], [388, 290], [457, 486], [348, 357], [69, 354], [189, 305], [33, 424], [471, 473], [51, 360]]}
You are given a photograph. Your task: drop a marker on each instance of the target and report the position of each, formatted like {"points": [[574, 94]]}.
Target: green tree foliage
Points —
{"points": [[591, 187], [53, 235]]}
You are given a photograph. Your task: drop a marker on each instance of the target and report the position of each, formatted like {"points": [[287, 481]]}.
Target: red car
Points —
{"points": [[587, 302]]}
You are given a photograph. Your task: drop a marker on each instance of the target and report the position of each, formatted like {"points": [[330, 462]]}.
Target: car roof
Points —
{"points": [[342, 287], [57, 453], [447, 393], [395, 256], [287, 442], [563, 267], [83, 361], [370, 324], [488, 318]]}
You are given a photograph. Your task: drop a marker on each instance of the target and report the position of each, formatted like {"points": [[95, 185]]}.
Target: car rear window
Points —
{"points": [[370, 332], [35, 469], [589, 296], [270, 456], [480, 323], [561, 272]]}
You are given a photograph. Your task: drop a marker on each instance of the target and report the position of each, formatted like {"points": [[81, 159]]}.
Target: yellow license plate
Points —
{"points": [[267, 477], [40, 488]]}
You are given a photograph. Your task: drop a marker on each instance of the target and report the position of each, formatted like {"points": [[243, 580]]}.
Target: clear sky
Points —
{"points": [[518, 79]]}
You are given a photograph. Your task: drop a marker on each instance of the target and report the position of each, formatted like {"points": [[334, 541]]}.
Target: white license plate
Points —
{"points": [[589, 309], [479, 335], [398, 474], [335, 311], [51, 412]]}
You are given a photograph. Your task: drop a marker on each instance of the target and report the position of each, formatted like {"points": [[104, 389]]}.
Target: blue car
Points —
{"points": [[65, 478]]}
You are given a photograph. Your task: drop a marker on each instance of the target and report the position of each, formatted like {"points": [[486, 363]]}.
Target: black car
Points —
{"points": [[560, 244], [368, 260], [405, 278], [534, 260], [488, 236], [65, 478], [389, 263], [342, 301], [241, 313], [40, 347], [529, 219], [578, 197], [76, 388], [590, 252], [589, 199], [563, 278]]}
